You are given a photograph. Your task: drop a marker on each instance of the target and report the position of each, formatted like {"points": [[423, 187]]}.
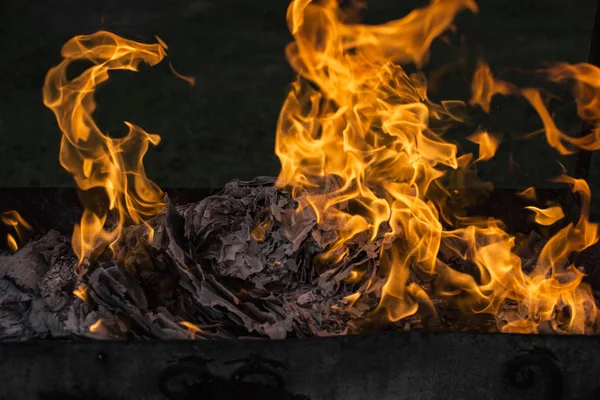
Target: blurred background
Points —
{"points": [[224, 127]]}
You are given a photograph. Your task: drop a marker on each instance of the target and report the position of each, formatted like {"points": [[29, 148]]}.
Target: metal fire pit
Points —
{"points": [[379, 366], [383, 366]]}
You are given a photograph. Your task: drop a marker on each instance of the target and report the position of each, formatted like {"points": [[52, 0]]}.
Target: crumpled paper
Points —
{"points": [[245, 263]]}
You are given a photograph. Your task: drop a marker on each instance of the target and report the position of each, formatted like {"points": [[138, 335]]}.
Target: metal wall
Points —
{"points": [[379, 366]]}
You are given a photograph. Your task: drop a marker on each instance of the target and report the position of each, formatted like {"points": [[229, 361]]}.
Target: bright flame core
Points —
{"points": [[356, 129]]}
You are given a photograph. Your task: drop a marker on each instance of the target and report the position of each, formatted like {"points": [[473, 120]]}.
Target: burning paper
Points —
{"points": [[359, 230]]}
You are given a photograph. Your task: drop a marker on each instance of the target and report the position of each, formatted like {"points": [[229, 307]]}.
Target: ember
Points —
{"points": [[362, 230]]}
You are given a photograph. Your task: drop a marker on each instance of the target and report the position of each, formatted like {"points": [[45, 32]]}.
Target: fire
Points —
{"points": [[356, 143], [11, 242], [13, 219], [361, 144], [586, 91], [96, 326], [528, 193], [547, 216], [98, 162], [488, 144], [81, 292], [192, 329], [259, 232]]}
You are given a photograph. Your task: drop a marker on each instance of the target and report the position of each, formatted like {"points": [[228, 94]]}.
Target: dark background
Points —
{"points": [[224, 127]]}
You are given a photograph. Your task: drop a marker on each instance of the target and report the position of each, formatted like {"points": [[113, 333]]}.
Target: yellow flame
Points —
{"points": [[259, 232], [361, 144], [12, 243], [150, 233], [355, 142], [586, 79], [547, 216], [13, 219], [351, 299], [354, 276], [488, 144], [97, 161], [96, 326], [528, 193], [81, 292], [192, 328]]}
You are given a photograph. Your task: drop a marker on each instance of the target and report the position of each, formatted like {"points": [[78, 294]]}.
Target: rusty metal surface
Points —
{"points": [[383, 366]]}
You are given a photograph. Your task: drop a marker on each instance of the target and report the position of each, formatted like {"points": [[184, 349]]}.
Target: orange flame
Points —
{"points": [[189, 79], [192, 329], [587, 96], [547, 216], [12, 243], [114, 165], [360, 143], [528, 193], [96, 326], [13, 219], [81, 292], [351, 299], [259, 232], [488, 144], [355, 142]]}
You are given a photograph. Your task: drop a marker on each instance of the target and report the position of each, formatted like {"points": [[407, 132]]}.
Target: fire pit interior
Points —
{"points": [[377, 221]]}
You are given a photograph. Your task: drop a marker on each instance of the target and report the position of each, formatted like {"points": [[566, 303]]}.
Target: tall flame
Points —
{"points": [[356, 142], [97, 161]]}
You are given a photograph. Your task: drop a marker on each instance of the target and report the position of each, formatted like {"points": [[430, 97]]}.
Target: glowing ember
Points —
{"points": [[260, 230]]}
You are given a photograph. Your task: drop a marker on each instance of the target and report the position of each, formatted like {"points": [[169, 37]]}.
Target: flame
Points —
{"points": [[357, 143], [528, 193], [586, 78], [189, 79], [150, 233], [361, 144], [96, 326], [11, 242], [351, 299], [547, 216], [192, 329], [488, 144], [354, 276], [259, 232], [97, 161], [81, 292], [13, 219]]}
